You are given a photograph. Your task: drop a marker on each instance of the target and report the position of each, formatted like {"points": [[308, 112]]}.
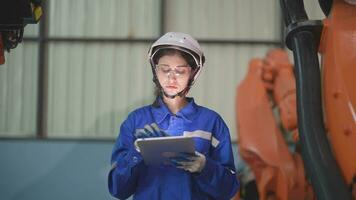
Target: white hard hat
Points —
{"points": [[182, 42]]}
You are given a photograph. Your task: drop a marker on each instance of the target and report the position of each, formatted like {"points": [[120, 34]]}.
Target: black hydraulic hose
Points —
{"points": [[303, 38], [293, 11], [319, 162]]}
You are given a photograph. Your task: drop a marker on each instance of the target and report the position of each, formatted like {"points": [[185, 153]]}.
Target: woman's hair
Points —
{"points": [[171, 52]]}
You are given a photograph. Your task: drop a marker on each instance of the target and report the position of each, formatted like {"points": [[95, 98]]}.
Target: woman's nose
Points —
{"points": [[171, 75]]}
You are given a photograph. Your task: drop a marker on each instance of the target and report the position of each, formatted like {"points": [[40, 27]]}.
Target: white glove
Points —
{"points": [[189, 162]]}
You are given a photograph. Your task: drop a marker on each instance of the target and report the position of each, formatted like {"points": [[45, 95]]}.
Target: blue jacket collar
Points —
{"points": [[188, 112]]}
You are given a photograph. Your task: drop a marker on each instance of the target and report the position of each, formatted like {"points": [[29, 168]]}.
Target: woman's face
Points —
{"points": [[173, 73]]}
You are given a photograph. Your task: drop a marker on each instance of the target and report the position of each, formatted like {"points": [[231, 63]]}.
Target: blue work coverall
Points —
{"points": [[130, 176]]}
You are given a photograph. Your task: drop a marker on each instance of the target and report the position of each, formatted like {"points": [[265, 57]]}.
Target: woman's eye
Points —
{"points": [[181, 71], [165, 70]]}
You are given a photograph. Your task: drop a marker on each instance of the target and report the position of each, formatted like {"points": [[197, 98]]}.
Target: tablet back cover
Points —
{"points": [[156, 151]]}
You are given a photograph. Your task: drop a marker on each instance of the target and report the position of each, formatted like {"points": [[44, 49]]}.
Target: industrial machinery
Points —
{"points": [[267, 118], [325, 103], [14, 16]]}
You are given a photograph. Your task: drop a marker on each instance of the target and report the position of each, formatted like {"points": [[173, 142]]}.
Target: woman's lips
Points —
{"points": [[171, 87]]}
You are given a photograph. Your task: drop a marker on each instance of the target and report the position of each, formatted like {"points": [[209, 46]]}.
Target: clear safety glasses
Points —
{"points": [[178, 71]]}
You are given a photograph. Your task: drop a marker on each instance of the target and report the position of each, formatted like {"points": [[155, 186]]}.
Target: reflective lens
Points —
{"points": [[179, 71]]}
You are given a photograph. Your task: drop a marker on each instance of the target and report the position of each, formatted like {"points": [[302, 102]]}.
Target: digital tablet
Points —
{"points": [[158, 150]]}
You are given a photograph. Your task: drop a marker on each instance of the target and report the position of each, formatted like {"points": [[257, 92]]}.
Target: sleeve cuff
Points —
{"points": [[207, 171], [134, 157]]}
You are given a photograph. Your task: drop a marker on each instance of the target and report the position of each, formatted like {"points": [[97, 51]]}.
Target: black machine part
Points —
{"points": [[302, 38]]}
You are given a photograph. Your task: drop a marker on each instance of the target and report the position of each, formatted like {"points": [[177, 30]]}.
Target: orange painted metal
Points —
{"points": [[2, 56], [338, 58], [268, 83]]}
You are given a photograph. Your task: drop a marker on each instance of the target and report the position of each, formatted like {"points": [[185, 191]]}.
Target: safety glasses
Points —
{"points": [[178, 71]]}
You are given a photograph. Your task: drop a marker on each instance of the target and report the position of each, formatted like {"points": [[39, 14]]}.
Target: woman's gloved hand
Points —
{"points": [[149, 130], [193, 163]]}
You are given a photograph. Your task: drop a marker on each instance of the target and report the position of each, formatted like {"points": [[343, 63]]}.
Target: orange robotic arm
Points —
{"points": [[338, 50], [269, 82]]}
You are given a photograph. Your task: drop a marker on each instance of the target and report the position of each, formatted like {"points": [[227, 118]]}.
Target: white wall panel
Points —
{"points": [[313, 10], [18, 91], [225, 19], [31, 30], [94, 86], [104, 18]]}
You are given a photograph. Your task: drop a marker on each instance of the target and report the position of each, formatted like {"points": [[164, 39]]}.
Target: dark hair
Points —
{"points": [[170, 52]]}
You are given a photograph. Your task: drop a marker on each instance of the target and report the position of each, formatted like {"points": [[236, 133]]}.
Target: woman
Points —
{"points": [[176, 60]]}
